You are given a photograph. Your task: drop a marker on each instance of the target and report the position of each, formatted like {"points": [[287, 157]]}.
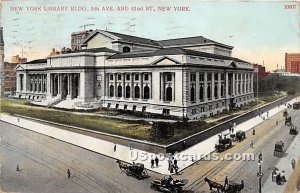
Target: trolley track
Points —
{"points": [[214, 171], [88, 176]]}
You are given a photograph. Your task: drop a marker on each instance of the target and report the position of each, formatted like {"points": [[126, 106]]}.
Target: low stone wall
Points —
{"points": [[176, 146], [198, 137]]}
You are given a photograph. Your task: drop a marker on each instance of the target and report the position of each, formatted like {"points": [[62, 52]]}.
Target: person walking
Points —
{"points": [[171, 168], [69, 173], [293, 163], [253, 132], [276, 122], [170, 164], [251, 144], [267, 114], [115, 147], [18, 168], [176, 169], [226, 181], [184, 144], [175, 162], [156, 161], [152, 163]]}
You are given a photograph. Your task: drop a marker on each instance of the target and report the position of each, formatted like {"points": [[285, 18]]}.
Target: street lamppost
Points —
{"points": [[259, 173]]}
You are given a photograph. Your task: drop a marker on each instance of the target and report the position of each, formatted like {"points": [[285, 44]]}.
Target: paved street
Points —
{"points": [[43, 163], [267, 134]]}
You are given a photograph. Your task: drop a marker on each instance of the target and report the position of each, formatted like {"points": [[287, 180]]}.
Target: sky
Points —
{"points": [[261, 32]]}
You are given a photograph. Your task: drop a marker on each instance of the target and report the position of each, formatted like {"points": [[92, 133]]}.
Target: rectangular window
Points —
{"points": [[194, 111], [216, 76], [134, 108], [193, 77], [201, 77], [111, 77], [169, 77], [146, 76], [202, 109], [210, 107], [117, 106], [166, 112], [223, 76], [127, 76], [209, 76], [125, 107], [119, 77], [108, 105], [136, 77]]}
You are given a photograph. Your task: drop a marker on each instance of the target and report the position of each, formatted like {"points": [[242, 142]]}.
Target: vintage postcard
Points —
{"points": [[136, 96]]}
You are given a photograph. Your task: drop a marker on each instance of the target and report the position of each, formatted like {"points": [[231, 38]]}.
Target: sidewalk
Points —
{"points": [[123, 152], [284, 164]]}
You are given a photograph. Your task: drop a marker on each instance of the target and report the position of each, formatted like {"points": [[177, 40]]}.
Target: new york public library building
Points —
{"points": [[189, 77]]}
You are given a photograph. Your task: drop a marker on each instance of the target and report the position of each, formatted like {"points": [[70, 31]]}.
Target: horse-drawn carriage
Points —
{"points": [[288, 120], [168, 184], [136, 169], [230, 188], [239, 136], [223, 143], [293, 130], [278, 150]]}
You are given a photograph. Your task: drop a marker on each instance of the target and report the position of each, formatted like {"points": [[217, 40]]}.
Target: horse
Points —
{"points": [[122, 166], [213, 184]]}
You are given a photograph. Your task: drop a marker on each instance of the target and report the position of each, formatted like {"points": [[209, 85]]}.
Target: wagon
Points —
{"points": [[240, 135], [293, 130], [224, 143], [278, 150], [168, 184], [285, 113], [136, 170]]}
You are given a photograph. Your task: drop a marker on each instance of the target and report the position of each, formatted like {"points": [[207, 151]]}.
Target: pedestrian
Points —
{"points": [[267, 114], [293, 163], [18, 169], [260, 157], [276, 122], [152, 163], [171, 168], [69, 173], [115, 147], [183, 144], [170, 163], [176, 169], [226, 181], [130, 145], [234, 125], [253, 132], [156, 161], [232, 130], [18, 119], [251, 144], [175, 162]]}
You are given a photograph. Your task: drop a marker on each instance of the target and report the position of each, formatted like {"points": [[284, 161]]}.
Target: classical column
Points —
{"points": [[162, 90], [212, 86], [18, 83], [132, 85], [123, 85], [233, 84], [245, 83], [59, 84], [173, 86], [205, 87], [115, 84], [226, 85], [219, 85]]}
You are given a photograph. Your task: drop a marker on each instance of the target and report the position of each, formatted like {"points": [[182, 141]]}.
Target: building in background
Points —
{"points": [[9, 70], [292, 62], [78, 37], [18, 60], [189, 77], [260, 71], [1, 61]]}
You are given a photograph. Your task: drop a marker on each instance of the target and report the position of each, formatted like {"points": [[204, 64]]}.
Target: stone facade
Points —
{"points": [[130, 73]]}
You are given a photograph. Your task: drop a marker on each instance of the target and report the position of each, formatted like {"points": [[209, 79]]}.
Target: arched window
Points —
{"points": [[201, 92], [136, 92], [146, 92], [169, 94], [192, 94], [127, 92], [111, 91], [119, 91], [126, 49], [216, 90], [208, 91]]}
